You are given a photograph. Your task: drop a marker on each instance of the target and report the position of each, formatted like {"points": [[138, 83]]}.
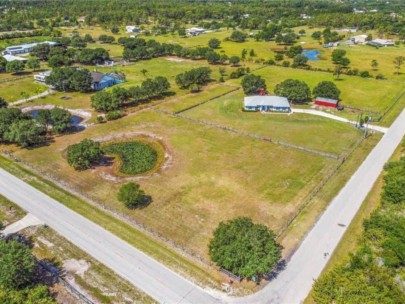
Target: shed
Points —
{"points": [[267, 104], [326, 102]]}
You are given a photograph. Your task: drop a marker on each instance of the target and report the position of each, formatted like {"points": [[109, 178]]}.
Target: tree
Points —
{"points": [[43, 118], [17, 264], [300, 60], [88, 38], [61, 120], [294, 51], [214, 43], [105, 101], [326, 89], [3, 64], [317, 35], [374, 64], [78, 42], [85, 154], [41, 51], [213, 57], [25, 133], [338, 57], [278, 57], [198, 76], [131, 195], [115, 30], [182, 32], [33, 64], [234, 60], [57, 61], [251, 84], [7, 117], [15, 67], [30, 295], [294, 90], [244, 248], [398, 61], [243, 54], [3, 103], [238, 36]]}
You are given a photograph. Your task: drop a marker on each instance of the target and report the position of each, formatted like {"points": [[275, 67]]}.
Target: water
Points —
{"points": [[311, 54], [74, 121]]}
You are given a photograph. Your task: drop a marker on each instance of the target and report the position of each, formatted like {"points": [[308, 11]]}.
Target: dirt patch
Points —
{"points": [[78, 267], [107, 171], [177, 59]]}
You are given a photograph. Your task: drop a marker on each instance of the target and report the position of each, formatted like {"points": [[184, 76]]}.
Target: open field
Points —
{"points": [[16, 90], [299, 129], [212, 178]]}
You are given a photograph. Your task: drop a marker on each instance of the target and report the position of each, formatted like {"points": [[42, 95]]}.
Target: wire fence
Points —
{"points": [[14, 78], [56, 275]]}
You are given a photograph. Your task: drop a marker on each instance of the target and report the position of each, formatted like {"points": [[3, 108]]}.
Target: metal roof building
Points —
{"points": [[266, 104], [327, 102], [25, 48]]}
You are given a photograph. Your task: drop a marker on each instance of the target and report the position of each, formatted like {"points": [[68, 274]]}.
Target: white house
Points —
{"points": [[195, 31], [41, 77], [266, 104], [132, 29], [359, 39]]}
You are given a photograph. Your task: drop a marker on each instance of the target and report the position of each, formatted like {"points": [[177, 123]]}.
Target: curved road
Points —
{"points": [[164, 285]]}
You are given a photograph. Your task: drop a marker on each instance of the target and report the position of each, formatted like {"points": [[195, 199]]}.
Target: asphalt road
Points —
{"points": [[291, 286]]}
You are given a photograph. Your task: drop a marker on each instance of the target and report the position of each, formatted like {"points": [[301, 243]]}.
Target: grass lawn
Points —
{"points": [[15, 90], [213, 177], [310, 131], [9, 212], [71, 100]]}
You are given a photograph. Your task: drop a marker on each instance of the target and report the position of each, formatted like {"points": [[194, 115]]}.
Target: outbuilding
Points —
{"points": [[326, 102], [267, 104], [101, 81], [10, 58]]}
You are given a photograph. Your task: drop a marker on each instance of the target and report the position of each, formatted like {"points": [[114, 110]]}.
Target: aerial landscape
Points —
{"points": [[205, 151]]}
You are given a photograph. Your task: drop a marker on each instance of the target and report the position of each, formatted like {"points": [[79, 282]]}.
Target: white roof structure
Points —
{"points": [[328, 100], [274, 101], [10, 58], [383, 42]]}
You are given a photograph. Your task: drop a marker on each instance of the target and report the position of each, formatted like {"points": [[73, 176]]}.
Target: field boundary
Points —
{"points": [[246, 134]]}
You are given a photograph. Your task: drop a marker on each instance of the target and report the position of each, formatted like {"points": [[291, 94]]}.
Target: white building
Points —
{"points": [[132, 29], [359, 39], [25, 48], [266, 104], [195, 31], [41, 77], [382, 42]]}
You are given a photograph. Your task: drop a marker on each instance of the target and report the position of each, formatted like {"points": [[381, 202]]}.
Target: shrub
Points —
{"points": [[136, 157], [85, 154], [364, 74], [131, 195], [113, 115], [380, 76]]}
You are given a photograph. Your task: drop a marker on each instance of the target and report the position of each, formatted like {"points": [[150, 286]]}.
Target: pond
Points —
{"points": [[311, 54], [75, 119]]}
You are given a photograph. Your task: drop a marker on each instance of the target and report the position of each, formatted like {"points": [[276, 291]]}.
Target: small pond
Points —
{"points": [[311, 54], [75, 119]]}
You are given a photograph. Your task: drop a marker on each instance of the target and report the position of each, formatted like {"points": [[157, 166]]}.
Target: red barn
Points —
{"points": [[326, 102]]}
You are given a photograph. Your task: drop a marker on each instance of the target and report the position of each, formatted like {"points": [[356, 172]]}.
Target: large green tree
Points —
{"points": [[25, 133], [61, 120], [17, 264], [251, 84], [214, 43], [3, 103], [105, 101], [244, 248], [15, 67], [326, 89], [85, 154], [294, 90]]}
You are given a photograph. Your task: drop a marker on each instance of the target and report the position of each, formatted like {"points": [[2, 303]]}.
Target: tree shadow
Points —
{"points": [[276, 271]]}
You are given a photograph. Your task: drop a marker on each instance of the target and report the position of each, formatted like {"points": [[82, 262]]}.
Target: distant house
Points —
{"points": [[81, 19], [331, 44], [266, 104], [195, 31], [132, 29], [359, 39], [41, 77], [10, 58], [381, 42], [326, 102], [25, 48], [101, 81]]}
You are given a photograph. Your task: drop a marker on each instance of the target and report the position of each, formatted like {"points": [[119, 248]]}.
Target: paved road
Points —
{"points": [[291, 286], [338, 118]]}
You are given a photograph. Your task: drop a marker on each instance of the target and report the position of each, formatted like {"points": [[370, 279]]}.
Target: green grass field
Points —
{"points": [[16, 90], [212, 178]]}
